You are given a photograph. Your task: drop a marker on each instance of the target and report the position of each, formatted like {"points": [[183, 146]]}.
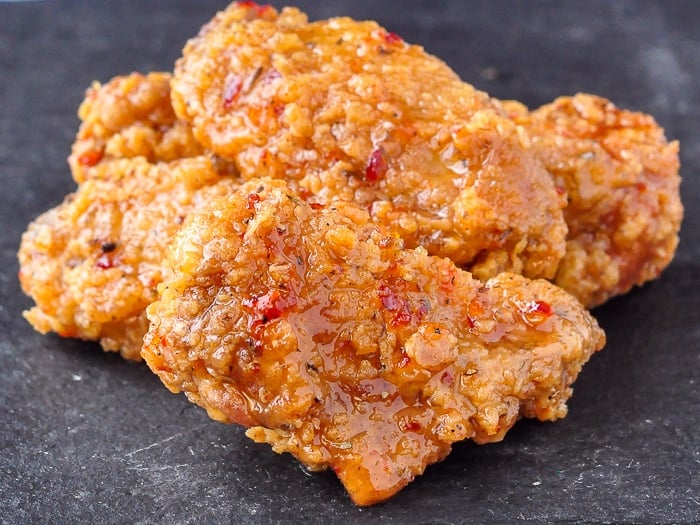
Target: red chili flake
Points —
{"points": [[232, 88], [259, 9], [104, 261], [272, 304], [255, 368], [389, 299], [316, 206], [393, 303], [90, 158], [641, 187], [540, 307], [447, 378], [392, 38], [470, 321], [536, 312], [376, 166], [304, 193], [560, 190], [410, 426], [253, 199]]}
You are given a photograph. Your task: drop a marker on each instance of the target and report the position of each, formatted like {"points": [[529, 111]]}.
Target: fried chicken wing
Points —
{"points": [[621, 178], [343, 109], [92, 264], [130, 116], [315, 328]]}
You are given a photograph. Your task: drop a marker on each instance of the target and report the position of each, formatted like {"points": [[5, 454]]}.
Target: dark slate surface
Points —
{"points": [[87, 437]]}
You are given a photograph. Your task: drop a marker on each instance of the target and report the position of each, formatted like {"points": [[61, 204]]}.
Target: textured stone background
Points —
{"points": [[87, 437]]}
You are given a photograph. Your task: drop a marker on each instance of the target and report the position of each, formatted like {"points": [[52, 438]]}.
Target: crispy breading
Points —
{"points": [[315, 328], [92, 264], [621, 177], [343, 109], [130, 116]]}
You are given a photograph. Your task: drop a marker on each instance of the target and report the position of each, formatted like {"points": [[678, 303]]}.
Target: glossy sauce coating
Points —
{"points": [[343, 109], [317, 330]]}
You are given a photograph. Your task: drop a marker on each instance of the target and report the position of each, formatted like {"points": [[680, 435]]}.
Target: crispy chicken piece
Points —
{"points": [[621, 178], [92, 264], [316, 329], [130, 116], [346, 110]]}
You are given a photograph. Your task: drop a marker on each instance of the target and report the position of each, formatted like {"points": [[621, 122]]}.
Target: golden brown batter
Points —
{"points": [[92, 264], [621, 178], [130, 116]]}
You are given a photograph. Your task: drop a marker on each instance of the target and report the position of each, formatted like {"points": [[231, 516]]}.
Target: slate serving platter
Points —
{"points": [[87, 437]]}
